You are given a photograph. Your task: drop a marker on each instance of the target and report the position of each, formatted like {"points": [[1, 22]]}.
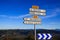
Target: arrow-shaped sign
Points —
{"points": [[31, 22], [39, 36], [32, 19], [44, 36], [37, 11], [50, 36]]}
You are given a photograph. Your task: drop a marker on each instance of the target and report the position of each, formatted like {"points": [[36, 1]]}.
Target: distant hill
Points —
{"points": [[26, 31], [26, 34]]}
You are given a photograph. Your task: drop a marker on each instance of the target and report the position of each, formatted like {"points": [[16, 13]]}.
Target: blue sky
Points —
{"points": [[12, 13]]}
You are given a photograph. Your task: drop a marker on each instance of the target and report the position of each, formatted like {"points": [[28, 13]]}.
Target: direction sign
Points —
{"points": [[32, 19], [37, 13], [37, 10], [30, 22], [44, 36]]}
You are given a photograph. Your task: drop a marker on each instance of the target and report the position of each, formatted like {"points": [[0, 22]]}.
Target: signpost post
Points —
{"points": [[35, 11], [35, 25]]}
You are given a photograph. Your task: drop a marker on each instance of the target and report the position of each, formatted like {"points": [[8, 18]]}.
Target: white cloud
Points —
{"points": [[3, 16], [53, 13], [14, 17], [23, 16], [18, 17]]}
